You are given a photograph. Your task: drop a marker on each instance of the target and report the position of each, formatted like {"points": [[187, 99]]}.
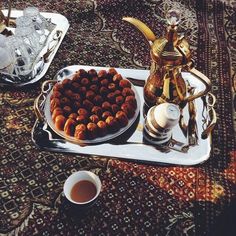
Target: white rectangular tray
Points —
{"points": [[61, 24], [134, 149]]}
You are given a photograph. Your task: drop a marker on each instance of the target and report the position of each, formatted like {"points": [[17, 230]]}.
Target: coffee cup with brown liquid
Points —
{"points": [[82, 188]]}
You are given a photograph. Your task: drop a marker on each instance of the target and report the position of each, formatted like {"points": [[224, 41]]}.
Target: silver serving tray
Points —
{"points": [[41, 66], [179, 151]]}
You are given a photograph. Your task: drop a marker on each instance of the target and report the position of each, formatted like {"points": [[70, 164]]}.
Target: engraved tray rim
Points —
{"points": [[132, 151]]}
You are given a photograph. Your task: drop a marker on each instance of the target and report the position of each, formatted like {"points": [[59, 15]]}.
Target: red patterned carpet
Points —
{"points": [[137, 199]]}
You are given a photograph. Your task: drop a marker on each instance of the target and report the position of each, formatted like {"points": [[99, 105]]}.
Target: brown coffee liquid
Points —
{"points": [[83, 191]]}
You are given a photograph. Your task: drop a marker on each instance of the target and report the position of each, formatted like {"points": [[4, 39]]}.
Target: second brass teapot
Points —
{"points": [[170, 55]]}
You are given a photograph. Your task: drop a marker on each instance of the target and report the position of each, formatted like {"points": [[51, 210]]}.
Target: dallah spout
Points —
{"points": [[146, 31]]}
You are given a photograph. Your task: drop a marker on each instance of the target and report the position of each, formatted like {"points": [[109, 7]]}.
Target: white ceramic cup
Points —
{"points": [[164, 116], [159, 122], [79, 176]]}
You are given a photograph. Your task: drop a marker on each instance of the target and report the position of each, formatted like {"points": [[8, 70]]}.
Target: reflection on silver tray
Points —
{"points": [[45, 57], [132, 146]]}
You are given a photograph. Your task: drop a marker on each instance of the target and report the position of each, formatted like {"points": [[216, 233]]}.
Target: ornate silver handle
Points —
{"points": [[213, 120], [43, 93]]}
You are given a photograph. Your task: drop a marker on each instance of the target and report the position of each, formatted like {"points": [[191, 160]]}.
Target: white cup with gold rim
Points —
{"points": [[77, 177]]}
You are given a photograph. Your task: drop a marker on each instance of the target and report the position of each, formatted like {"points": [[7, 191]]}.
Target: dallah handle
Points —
{"points": [[204, 79]]}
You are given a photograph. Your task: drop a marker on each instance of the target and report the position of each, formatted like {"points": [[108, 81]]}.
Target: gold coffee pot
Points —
{"points": [[170, 55]]}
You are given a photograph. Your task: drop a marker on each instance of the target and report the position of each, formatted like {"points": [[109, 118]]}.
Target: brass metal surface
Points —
{"points": [[170, 55]]}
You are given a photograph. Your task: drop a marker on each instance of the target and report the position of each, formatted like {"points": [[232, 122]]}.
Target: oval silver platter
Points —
{"points": [[105, 138]]}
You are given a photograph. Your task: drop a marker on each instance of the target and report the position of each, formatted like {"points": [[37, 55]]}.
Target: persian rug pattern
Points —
{"points": [[136, 199]]}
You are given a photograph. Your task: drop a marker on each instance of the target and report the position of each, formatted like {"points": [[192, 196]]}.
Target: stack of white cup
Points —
{"points": [[159, 123]]}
